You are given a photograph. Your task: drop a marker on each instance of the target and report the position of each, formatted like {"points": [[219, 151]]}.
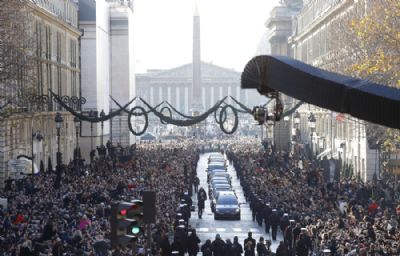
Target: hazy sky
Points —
{"points": [[230, 31]]}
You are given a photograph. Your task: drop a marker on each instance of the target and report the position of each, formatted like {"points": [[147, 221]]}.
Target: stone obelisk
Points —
{"points": [[196, 101]]}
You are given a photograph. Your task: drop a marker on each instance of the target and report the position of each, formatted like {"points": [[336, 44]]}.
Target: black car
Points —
{"points": [[227, 207], [215, 167]]}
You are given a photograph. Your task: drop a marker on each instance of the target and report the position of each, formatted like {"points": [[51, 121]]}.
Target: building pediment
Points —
{"points": [[208, 71]]}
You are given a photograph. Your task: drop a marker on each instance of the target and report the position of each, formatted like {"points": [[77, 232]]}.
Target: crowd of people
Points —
{"points": [[44, 216], [68, 214], [315, 215]]}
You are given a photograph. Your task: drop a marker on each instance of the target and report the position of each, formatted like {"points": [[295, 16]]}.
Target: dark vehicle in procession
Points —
{"points": [[226, 206]]}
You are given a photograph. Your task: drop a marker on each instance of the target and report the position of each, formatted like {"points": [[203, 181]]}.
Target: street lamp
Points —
{"points": [[39, 137], [102, 114], [59, 122], [92, 114], [311, 123], [296, 119], [77, 126]]}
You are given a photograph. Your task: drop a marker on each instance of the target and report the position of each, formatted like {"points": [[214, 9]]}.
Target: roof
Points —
{"points": [[208, 70]]}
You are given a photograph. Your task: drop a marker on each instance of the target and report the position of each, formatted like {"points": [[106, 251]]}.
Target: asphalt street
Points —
{"points": [[207, 227]]}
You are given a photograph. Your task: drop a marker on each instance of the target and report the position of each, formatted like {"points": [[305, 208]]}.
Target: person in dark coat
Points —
{"points": [[261, 248], [193, 243], [201, 198], [282, 249], [206, 248], [237, 248], [177, 245], [288, 235], [218, 246], [249, 245], [228, 247], [165, 246], [267, 214], [301, 246], [274, 220], [284, 223]]}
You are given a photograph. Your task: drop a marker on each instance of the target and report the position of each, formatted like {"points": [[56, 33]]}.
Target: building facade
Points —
{"points": [[107, 67], [280, 27], [315, 42], [54, 31]]}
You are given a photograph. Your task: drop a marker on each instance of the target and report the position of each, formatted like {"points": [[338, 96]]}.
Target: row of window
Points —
{"points": [[66, 10], [52, 44]]}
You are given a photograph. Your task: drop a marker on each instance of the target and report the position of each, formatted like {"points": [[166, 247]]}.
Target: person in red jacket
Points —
{"points": [[373, 207], [19, 219]]}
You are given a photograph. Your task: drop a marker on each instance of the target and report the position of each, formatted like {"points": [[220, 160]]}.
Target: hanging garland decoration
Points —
{"points": [[86, 118], [135, 114], [236, 120], [169, 111], [179, 113], [246, 109], [189, 122], [146, 122], [292, 110], [216, 115]]}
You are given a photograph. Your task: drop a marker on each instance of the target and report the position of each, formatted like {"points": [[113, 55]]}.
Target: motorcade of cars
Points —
{"points": [[227, 207]]}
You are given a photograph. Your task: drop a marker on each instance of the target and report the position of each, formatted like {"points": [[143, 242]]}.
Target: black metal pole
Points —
{"points": [[91, 137], [58, 147], [33, 155], [102, 128]]}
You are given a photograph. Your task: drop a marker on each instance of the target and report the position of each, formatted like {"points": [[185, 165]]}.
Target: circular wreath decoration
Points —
{"points": [[146, 120], [236, 120], [221, 119], [169, 111]]}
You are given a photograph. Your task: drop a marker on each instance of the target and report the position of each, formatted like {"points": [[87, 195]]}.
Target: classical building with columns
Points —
{"points": [[175, 86], [194, 87], [31, 129]]}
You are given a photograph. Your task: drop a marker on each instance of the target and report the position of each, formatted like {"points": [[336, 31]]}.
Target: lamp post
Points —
{"points": [[311, 123], [39, 137], [59, 122], [92, 114], [102, 114], [296, 119], [77, 126]]}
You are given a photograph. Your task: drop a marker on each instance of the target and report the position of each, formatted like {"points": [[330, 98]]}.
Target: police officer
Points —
{"points": [[267, 214], [274, 220]]}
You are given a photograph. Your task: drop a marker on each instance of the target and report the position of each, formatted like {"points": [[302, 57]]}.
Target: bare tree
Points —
{"points": [[17, 54]]}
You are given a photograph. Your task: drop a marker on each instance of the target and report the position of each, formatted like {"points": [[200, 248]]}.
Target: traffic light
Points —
{"points": [[126, 222]]}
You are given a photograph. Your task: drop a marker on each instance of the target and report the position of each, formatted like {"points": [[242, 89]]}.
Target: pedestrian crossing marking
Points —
{"points": [[237, 229], [254, 230], [202, 230], [220, 229]]}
